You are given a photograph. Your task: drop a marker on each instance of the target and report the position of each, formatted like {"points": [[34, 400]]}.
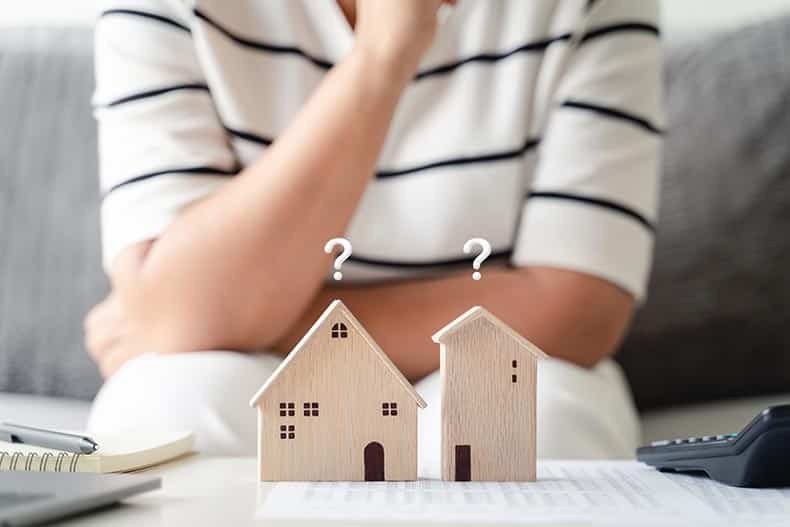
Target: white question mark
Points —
{"points": [[484, 253], [342, 257]]}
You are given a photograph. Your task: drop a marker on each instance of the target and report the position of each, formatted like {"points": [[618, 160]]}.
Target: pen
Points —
{"points": [[28, 435]]}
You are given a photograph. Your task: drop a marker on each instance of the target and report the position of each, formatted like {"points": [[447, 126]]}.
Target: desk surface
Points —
{"points": [[196, 491], [200, 490]]}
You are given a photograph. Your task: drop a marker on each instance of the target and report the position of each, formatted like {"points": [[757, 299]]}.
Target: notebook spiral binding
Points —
{"points": [[47, 462]]}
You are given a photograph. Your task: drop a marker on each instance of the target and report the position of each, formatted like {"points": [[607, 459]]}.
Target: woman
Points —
{"points": [[237, 137]]}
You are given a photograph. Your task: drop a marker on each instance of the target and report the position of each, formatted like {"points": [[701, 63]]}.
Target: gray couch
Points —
{"points": [[713, 327]]}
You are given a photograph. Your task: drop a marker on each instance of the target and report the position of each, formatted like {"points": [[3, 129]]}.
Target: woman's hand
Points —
{"points": [[107, 333], [400, 31], [105, 328]]}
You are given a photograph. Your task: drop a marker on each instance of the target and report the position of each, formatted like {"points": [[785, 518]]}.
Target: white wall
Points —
{"points": [[56, 12], [686, 17], [681, 17]]}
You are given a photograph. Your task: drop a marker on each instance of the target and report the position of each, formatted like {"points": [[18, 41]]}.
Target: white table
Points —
{"points": [[200, 490], [196, 490]]}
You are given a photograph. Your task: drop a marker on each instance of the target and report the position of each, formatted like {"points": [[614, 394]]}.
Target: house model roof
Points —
{"points": [[335, 306], [478, 312]]}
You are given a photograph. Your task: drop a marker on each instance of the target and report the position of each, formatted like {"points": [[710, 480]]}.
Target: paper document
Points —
{"points": [[567, 492]]}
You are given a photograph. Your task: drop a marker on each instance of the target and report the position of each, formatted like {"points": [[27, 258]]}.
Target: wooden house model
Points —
{"points": [[337, 409], [488, 381]]}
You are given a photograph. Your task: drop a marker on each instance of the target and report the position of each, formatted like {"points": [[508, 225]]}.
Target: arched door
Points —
{"points": [[374, 462]]}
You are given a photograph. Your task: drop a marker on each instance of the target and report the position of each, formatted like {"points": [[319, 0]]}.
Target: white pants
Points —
{"points": [[582, 414]]}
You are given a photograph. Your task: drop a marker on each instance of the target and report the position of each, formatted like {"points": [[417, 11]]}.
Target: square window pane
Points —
{"points": [[393, 405], [282, 413], [306, 405], [385, 405], [290, 428], [283, 436], [307, 413], [291, 405], [282, 427], [315, 405], [291, 435], [385, 412], [394, 412], [315, 413], [282, 405]]}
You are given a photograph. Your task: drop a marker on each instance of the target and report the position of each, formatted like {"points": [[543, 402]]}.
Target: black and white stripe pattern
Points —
{"points": [[190, 171], [149, 15], [613, 113], [189, 95], [596, 202], [157, 92]]}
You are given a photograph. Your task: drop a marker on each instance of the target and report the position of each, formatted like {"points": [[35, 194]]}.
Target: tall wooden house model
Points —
{"points": [[488, 381], [337, 409]]}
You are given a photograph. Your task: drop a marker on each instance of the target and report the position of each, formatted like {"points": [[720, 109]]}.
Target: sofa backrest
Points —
{"points": [[49, 253], [716, 321]]}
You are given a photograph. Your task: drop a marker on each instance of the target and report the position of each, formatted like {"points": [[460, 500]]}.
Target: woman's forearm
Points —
{"points": [[242, 264], [569, 315]]}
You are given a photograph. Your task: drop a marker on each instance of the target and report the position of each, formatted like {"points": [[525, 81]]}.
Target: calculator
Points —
{"points": [[757, 456]]}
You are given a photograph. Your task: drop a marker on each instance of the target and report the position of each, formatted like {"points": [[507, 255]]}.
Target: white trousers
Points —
{"points": [[582, 413]]}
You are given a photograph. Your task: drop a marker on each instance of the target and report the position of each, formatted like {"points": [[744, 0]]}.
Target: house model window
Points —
{"points": [[389, 409], [339, 331], [287, 409], [514, 377], [287, 432], [311, 409]]}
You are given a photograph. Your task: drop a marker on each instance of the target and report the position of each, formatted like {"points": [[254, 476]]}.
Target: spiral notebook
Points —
{"points": [[122, 452]]}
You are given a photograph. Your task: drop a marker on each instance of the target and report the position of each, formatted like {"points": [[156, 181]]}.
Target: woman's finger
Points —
{"points": [[100, 332], [112, 361], [106, 313], [98, 342]]}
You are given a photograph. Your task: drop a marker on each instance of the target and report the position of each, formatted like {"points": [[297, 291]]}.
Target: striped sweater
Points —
{"points": [[189, 92]]}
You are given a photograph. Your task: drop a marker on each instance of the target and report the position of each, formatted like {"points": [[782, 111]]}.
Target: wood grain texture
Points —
{"points": [[350, 382], [481, 405]]}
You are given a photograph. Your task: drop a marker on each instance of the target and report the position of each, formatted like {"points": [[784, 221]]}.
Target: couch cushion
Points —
{"points": [[45, 412], [716, 320], [49, 259]]}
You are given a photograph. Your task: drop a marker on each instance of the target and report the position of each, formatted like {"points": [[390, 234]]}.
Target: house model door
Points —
{"points": [[374, 462], [463, 463]]}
